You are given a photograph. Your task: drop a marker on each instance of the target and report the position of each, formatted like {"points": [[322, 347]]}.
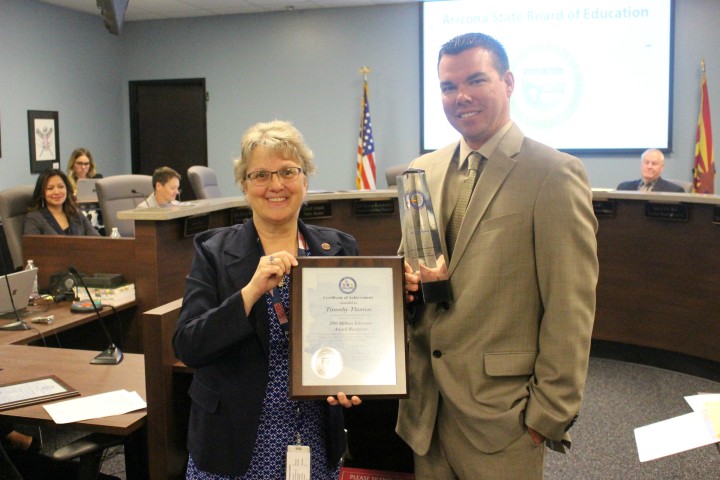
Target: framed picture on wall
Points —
{"points": [[44, 140]]}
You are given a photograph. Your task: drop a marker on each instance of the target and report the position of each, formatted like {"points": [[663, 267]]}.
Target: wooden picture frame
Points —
{"points": [[35, 390], [347, 328], [44, 140]]}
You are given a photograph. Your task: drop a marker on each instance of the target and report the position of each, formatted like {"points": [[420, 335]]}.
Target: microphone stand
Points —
{"points": [[20, 324], [135, 192], [111, 355]]}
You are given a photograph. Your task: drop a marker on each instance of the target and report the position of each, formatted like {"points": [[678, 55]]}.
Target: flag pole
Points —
{"points": [[364, 70], [365, 172]]}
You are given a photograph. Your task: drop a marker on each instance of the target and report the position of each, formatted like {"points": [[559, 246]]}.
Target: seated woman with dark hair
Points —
{"points": [[53, 211]]}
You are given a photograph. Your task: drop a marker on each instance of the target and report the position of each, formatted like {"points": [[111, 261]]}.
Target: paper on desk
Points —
{"points": [[675, 435], [699, 402], [95, 406], [713, 409]]}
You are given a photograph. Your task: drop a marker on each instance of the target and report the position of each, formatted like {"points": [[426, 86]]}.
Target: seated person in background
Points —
{"points": [[652, 163], [81, 165], [166, 183], [53, 211]]}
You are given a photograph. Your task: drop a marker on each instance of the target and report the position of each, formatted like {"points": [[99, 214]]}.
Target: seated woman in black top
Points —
{"points": [[53, 211]]}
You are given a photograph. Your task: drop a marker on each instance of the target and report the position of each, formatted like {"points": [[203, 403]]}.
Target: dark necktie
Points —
{"points": [[475, 165]]}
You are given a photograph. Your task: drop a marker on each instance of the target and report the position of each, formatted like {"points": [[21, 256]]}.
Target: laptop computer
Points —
{"points": [[86, 192], [21, 285]]}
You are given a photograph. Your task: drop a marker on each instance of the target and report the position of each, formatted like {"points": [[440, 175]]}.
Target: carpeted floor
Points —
{"points": [[619, 397]]}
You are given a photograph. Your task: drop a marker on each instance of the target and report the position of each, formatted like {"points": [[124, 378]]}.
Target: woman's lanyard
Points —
{"points": [[276, 293]]}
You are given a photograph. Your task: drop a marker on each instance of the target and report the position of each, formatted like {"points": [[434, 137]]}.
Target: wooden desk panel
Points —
{"points": [[168, 401], [659, 280], [20, 362], [56, 253]]}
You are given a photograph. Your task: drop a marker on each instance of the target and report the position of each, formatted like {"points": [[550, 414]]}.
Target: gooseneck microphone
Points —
{"points": [[135, 192], [20, 324], [111, 355]]}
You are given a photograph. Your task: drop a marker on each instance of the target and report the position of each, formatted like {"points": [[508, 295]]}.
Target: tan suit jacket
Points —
{"points": [[512, 350]]}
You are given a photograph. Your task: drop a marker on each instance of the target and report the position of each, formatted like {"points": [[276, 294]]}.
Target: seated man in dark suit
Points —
{"points": [[652, 163]]}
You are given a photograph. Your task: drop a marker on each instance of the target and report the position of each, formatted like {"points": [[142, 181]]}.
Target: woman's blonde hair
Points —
{"points": [[278, 136]]}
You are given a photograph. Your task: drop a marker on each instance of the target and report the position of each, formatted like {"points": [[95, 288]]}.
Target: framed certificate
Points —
{"points": [[36, 390], [348, 328]]}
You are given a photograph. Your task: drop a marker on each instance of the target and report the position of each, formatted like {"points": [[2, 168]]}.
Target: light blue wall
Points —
{"points": [[58, 60], [300, 65]]}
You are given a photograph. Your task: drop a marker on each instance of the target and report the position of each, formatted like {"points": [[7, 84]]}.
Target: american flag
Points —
{"points": [[365, 177]]}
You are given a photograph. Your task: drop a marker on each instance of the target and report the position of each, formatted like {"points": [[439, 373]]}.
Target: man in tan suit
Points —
{"points": [[501, 370]]}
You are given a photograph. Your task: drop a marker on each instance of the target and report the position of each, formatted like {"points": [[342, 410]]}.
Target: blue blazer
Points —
{"points": [[229, 350], [660, 186]]}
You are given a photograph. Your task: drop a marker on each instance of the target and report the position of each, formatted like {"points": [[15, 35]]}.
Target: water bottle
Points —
{"points": [[35, 293], [115, 233]]}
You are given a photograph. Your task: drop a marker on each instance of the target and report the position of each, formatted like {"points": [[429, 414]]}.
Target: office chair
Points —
{"points": [[204, 182], [687, 186], [89, 450], [122, 192], [391, 173], [13, 207]]}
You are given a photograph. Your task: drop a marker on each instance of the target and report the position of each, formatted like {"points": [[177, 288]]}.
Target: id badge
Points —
{"points": [[298, 462]]}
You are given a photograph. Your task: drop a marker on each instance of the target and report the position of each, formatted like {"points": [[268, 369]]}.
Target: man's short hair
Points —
{"points": [[467, 41]]}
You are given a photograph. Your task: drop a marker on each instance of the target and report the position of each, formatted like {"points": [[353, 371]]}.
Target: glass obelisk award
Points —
{"points": [[421, 240]]}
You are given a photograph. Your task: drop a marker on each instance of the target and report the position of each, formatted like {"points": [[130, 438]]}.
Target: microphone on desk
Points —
{"points": [[111, 355], [20, 324], [135, 192]]}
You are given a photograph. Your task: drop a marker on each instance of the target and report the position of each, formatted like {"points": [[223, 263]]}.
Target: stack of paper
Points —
{"points": [[692, 430], [110, 296]]}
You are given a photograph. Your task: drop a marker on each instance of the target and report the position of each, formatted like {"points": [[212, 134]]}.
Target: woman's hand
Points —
{"points": [[343, 400], [412, 283], [269, 273]]}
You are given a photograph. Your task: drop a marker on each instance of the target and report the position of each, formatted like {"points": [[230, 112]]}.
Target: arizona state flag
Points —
{"points": [[365, 177], [704, 171]]}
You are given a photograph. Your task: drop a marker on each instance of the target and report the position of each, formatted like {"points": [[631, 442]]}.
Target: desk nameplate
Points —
{"points": [[604, 208], [676, 212], [316, 210], [196, 224], [371, 208]]}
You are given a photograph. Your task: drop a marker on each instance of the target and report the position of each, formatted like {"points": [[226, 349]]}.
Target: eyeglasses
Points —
{"points": [[264, 177], [82, 164]]}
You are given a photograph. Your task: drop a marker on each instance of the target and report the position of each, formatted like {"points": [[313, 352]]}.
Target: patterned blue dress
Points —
{"points": [[282, 418]]}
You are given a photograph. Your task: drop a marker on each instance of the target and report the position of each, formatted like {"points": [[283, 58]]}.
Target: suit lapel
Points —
{"points": [[496, 170], [240, 262]]}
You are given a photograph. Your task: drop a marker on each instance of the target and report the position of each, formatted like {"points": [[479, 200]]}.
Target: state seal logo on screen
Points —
{"points": [[548, 86], [326, 363]]}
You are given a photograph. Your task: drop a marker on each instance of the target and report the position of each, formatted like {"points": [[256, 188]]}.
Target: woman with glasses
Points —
{"points": [[234, 324], [81, 165], [53, 211]]}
